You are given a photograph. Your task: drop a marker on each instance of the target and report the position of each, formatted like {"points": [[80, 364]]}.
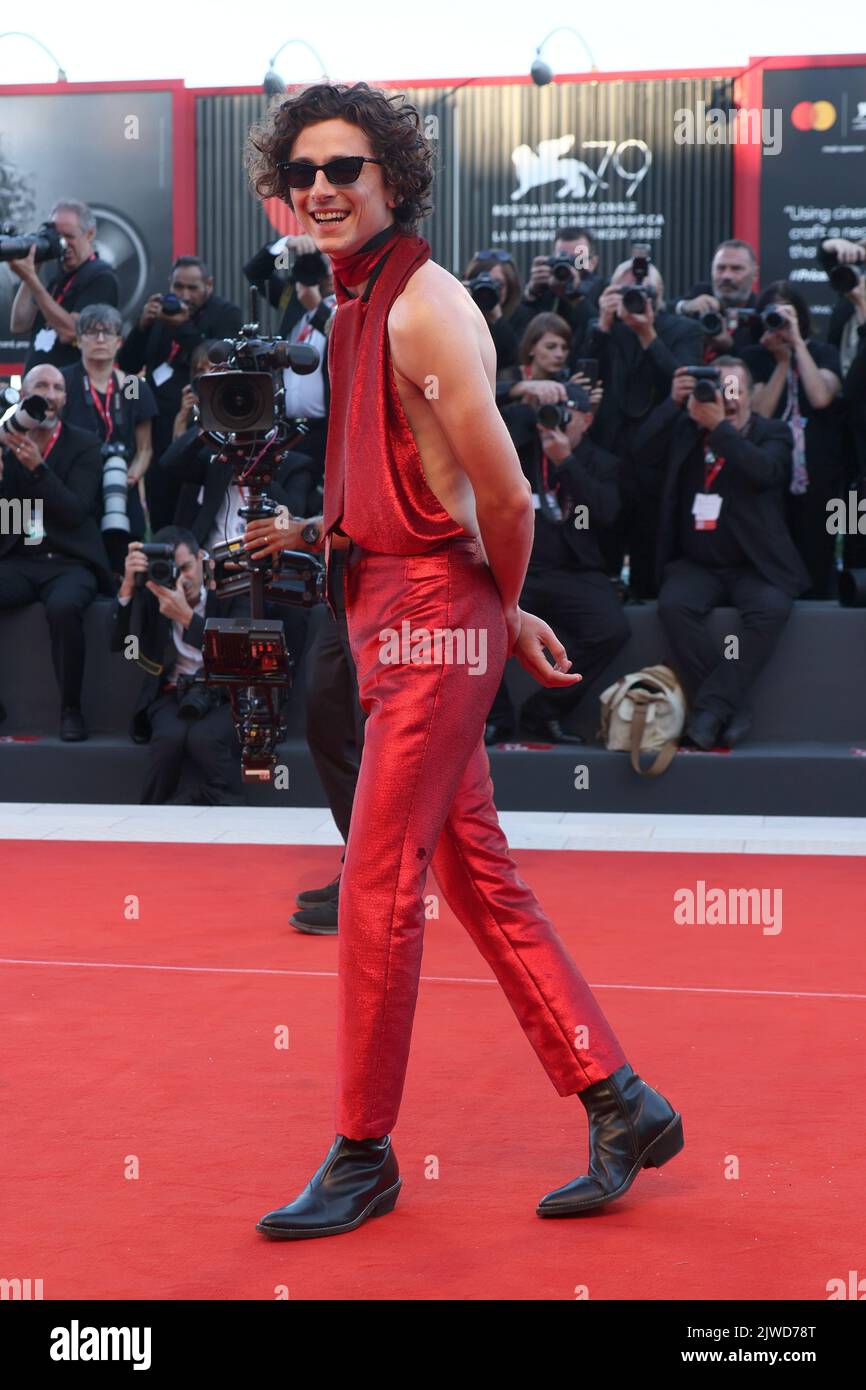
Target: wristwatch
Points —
{"points": [[310, 533]]}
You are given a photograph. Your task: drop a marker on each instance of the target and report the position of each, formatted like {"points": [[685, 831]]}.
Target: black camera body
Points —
{"points": [[161, 566], [557, 415], [562, 267], [49, 244], [843, 277], [170, 304], [708, 380], [308, 269], [485, 291]]}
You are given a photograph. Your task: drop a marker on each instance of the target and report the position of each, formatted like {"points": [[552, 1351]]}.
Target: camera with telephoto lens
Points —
{"points": [[557, 415], [708, 380], [161, 566], [843, 277], [485, 291], [115, 488], [49, 244], [170, 304], [29, 414]]}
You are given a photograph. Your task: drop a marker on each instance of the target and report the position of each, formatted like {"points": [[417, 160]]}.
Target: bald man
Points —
{"points": [[51, 550]]}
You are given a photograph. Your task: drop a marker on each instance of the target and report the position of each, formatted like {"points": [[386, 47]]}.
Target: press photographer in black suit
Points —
{"points": [[723, 539], [163, 341], [54, 475], [181, 722], [575, 489], [733, 273], [637, 353], [572, 291]]}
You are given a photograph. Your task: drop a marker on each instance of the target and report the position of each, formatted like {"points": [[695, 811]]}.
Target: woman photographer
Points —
{"points": [[119, 410], [500, 267], [798, 379]]}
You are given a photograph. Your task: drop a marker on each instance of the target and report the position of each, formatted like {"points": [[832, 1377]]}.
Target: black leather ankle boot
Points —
{"points": [[359, 1178], [631, 1126]]}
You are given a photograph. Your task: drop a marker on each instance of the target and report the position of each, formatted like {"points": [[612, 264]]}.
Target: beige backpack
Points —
{"points": [[644, 711]]}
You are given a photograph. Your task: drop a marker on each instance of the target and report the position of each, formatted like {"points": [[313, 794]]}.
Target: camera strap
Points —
{"points": [[103, 411]]}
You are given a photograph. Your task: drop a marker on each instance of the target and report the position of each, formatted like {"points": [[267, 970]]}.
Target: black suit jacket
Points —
{"points": [[69, 486], [141, 617], [192, 460], [760, 462]]}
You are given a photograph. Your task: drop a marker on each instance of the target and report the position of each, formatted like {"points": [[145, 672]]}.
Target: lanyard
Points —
{"points": [[713, 466], [173, 351], [103, 411], [63, 291], [52, 441]]}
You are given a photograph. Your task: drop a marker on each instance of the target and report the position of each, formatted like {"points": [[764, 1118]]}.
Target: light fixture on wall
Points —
{"points": [[273, 84], [541, 72], [21, 34]]}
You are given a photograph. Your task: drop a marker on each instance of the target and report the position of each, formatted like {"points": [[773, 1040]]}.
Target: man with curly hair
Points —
{"points": [[425, 493]]}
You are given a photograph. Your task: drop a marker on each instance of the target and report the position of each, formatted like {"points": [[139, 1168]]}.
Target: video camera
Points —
{"points": [[241, 413], [49, 244]]}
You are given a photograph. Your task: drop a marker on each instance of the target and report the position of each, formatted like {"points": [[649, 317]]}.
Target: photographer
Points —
{"points": [[845, 264], [54, 471], [638, 346], [180, 720], [119, 411], [723, 538], [163, 341], [575, 492], [307, 316], [494, 284], [566, 283], [798, 379], [50, 314], [728, 292]]}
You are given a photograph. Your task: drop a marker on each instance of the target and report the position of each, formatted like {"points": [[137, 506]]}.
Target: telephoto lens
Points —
{"points": [[773, 318], [115, 489]]}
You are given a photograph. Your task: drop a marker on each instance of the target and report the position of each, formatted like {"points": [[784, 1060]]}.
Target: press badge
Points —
{"points": [[45, 340], [705, 509], [162, 373]]}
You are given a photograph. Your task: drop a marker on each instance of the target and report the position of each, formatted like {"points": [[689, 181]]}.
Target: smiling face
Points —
{"points": [[340, 219], [48, 382]]}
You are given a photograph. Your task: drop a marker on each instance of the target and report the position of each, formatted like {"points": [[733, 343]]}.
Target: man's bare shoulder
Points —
{"points": [[431, 296]]}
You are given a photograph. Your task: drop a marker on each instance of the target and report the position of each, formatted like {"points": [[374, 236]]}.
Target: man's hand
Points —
{"points": [[25, 268], [847, 252], [271, 534], [701, 304], [25, 449], [608, 308], [682, 385], [533, 636], [135, 563], [172, 603], [539, 278], [640, 324], [558, 444], [150, 312], [707, 414], [188, 399]]}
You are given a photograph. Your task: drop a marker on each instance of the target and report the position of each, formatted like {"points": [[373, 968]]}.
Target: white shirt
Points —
{"points": [[305, 395], [228, 525]]}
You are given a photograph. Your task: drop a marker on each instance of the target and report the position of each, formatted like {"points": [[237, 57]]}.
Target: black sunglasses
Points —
{"points": [[492, 256], [339, 172]]}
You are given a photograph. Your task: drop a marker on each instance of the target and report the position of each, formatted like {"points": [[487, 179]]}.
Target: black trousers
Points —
{"points": [[335, 719], [688, 594], [211, 743], [586, 614], [66, 588]]}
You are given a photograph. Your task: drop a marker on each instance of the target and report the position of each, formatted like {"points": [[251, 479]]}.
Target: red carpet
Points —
{"points": [[177, 1069]]}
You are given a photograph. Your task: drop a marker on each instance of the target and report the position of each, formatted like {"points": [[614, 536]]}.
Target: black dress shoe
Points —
{"points": [[736, 728], [359, 1178], [72, 728], [704, 729], [550, 730], [319, 895], [318, 920], [497, 733], [631, 1126]]}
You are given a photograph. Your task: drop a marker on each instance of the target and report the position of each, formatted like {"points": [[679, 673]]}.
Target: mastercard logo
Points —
{"points": [[813, 115]]}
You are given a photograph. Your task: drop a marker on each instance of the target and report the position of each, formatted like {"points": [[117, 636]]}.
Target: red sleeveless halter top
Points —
{"points": [[375, 488]]}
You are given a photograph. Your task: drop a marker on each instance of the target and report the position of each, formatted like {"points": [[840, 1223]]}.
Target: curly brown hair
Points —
{"points": [[390, 122]]}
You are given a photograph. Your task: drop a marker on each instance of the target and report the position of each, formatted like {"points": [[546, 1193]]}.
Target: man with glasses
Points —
{"points": [[119, 410], [50, 314]]}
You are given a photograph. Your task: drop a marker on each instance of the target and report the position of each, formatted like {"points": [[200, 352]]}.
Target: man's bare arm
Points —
{"points": [[425, 345]]}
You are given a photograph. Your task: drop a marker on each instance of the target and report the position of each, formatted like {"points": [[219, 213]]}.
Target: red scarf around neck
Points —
{"points": [[357, 266]]}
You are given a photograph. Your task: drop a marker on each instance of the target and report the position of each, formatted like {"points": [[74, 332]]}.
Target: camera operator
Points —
{"points": [[308, 311], [733, 273], [494, 284], [98, 399], [55, 472], [50, 314], [798, 379], [723, 538], [180, 720], [566, 582], [566, 283], [163, 341], [638, 346]]}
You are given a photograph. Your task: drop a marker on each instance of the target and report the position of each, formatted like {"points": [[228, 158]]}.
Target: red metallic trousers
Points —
{"points": [[424, 797]]}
